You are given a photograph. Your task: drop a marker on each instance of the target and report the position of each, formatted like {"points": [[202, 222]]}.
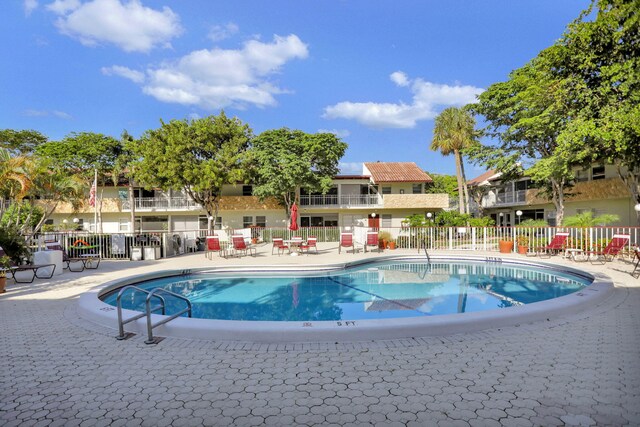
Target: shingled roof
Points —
{"points": [[489, 175], [397, 172]]}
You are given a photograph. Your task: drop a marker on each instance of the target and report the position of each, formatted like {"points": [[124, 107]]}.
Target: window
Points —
{"points": [[123, 225], [247, 221], [386, 190], [261, 221], [417, 189], [597, 172], [247, 190], [385, 220]]}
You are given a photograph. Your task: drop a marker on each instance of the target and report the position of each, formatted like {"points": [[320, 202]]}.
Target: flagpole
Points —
{"points": [[95, 205]]}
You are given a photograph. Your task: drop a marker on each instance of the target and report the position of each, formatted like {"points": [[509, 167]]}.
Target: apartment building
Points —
{"points": [[597, 188], [381, 196]]}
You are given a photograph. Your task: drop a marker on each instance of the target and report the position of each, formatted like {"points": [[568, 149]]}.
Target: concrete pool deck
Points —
{"points": [[578, 369]]}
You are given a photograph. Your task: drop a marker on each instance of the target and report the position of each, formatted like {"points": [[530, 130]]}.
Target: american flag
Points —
{"points": [[92, 195]]}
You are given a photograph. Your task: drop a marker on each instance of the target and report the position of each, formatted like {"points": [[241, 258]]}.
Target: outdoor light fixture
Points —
{"points": [[429, 215], [76, 220], [519, 213], [64, 221], [637, 207], [373, 215]]}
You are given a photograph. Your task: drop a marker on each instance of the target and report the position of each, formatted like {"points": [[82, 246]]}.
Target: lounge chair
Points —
{"points": [[613, 248], [213, 245], [34, 268], [372, 240], [555, 246], [311, 243], [66, 259], [346, 241], [239, 245], [278, 243]]}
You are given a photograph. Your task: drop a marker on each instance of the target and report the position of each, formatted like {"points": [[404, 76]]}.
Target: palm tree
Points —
{"points": [[454, 131], [14, 179]]}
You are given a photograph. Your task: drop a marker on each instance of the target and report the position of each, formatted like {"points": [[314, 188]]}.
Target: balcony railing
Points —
{"points": [[162, 203], [333, 200], [506, 199]]}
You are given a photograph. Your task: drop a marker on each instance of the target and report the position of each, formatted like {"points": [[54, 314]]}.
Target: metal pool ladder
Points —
{"points": [[148, 310]]}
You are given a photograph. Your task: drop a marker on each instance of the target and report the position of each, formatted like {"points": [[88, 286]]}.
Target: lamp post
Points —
{"points": [[429, 215], [519, 214]]}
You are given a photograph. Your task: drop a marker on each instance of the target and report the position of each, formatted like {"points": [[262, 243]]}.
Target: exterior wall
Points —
{"points": [[415, 201]]}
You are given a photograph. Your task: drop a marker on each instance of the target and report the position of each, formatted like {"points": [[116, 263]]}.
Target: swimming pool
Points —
{"points": [[380, 290], [386, 298]]}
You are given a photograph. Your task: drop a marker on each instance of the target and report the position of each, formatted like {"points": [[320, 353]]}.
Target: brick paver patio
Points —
{"points": [[59, 370]]}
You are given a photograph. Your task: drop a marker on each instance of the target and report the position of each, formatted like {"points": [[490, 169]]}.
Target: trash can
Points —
{"points": [[136, 253], [152, 252]]}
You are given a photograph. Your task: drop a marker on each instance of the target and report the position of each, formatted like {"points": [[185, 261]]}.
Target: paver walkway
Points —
{"points": [[57, 370]]}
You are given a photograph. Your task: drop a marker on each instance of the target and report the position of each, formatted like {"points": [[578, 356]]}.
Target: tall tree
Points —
{"points": [[525, 115], [125, 165], [597, 66], [454, 131], [285, 160], [83, 154], [196, 156], [21, 141]]}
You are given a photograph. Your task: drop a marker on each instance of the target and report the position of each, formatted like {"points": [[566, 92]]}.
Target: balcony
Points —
{"points": [[162, 204], [509, 198], [335, 201]]}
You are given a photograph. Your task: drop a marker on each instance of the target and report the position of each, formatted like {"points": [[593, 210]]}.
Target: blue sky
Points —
{"points": [[373, 72]]}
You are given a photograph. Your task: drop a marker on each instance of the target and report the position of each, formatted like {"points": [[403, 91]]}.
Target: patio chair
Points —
{"points": [[372, 240], [213, 245], [311, 243], [66, 259], [278, 243], [555, 246], [346, 241], [13, 269], [636, 255], [239, 245], [613, 248]]}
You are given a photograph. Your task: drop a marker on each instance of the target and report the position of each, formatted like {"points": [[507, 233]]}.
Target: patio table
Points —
{"points": [[296, 245]]}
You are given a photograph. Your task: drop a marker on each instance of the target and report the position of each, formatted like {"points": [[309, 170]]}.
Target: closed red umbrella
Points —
{"points": [[294, 217]]}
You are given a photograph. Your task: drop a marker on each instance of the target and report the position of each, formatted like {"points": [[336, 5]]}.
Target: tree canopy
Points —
{"points": [[285, 160], [196, 156]]}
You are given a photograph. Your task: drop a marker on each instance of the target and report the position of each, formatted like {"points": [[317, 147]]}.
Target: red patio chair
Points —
{"points": [[278, 243], [213, 245], [239, 245], [613, 248], [372, 240], [555, 246], [311, 243], [346, 241]]}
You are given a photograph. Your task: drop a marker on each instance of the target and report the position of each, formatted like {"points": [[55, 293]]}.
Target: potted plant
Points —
{"points": [[383, 238], [506, 246], [523, 244], [392, 244], [5, 262]]}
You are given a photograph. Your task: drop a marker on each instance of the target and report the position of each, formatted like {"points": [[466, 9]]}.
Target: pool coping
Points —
{"points": [[93, 309]]}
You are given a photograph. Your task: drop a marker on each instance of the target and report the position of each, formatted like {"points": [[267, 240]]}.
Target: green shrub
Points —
{"points": [[13, 243]]}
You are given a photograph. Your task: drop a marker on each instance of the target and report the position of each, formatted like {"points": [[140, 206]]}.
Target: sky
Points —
{"points": [[373, 72]]}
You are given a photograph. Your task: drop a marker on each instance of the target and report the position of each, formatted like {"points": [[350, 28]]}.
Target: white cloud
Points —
{"points": [[218, 78], [221, 32], [129, 25], [61, 7], [30, 6], [340, 133], [127, 73], [427, 97], [46, 113], [350, 168], [399, 78]]}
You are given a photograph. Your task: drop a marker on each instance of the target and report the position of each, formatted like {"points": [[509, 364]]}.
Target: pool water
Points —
{"points": [[376, 291]]}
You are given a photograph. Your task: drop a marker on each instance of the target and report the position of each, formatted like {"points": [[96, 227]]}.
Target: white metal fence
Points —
{"points": [[482, 239]]}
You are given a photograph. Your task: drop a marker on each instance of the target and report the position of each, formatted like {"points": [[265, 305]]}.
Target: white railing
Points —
{"points": [[334, 200], [164, 203], [478, 239], [506, 199]]}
